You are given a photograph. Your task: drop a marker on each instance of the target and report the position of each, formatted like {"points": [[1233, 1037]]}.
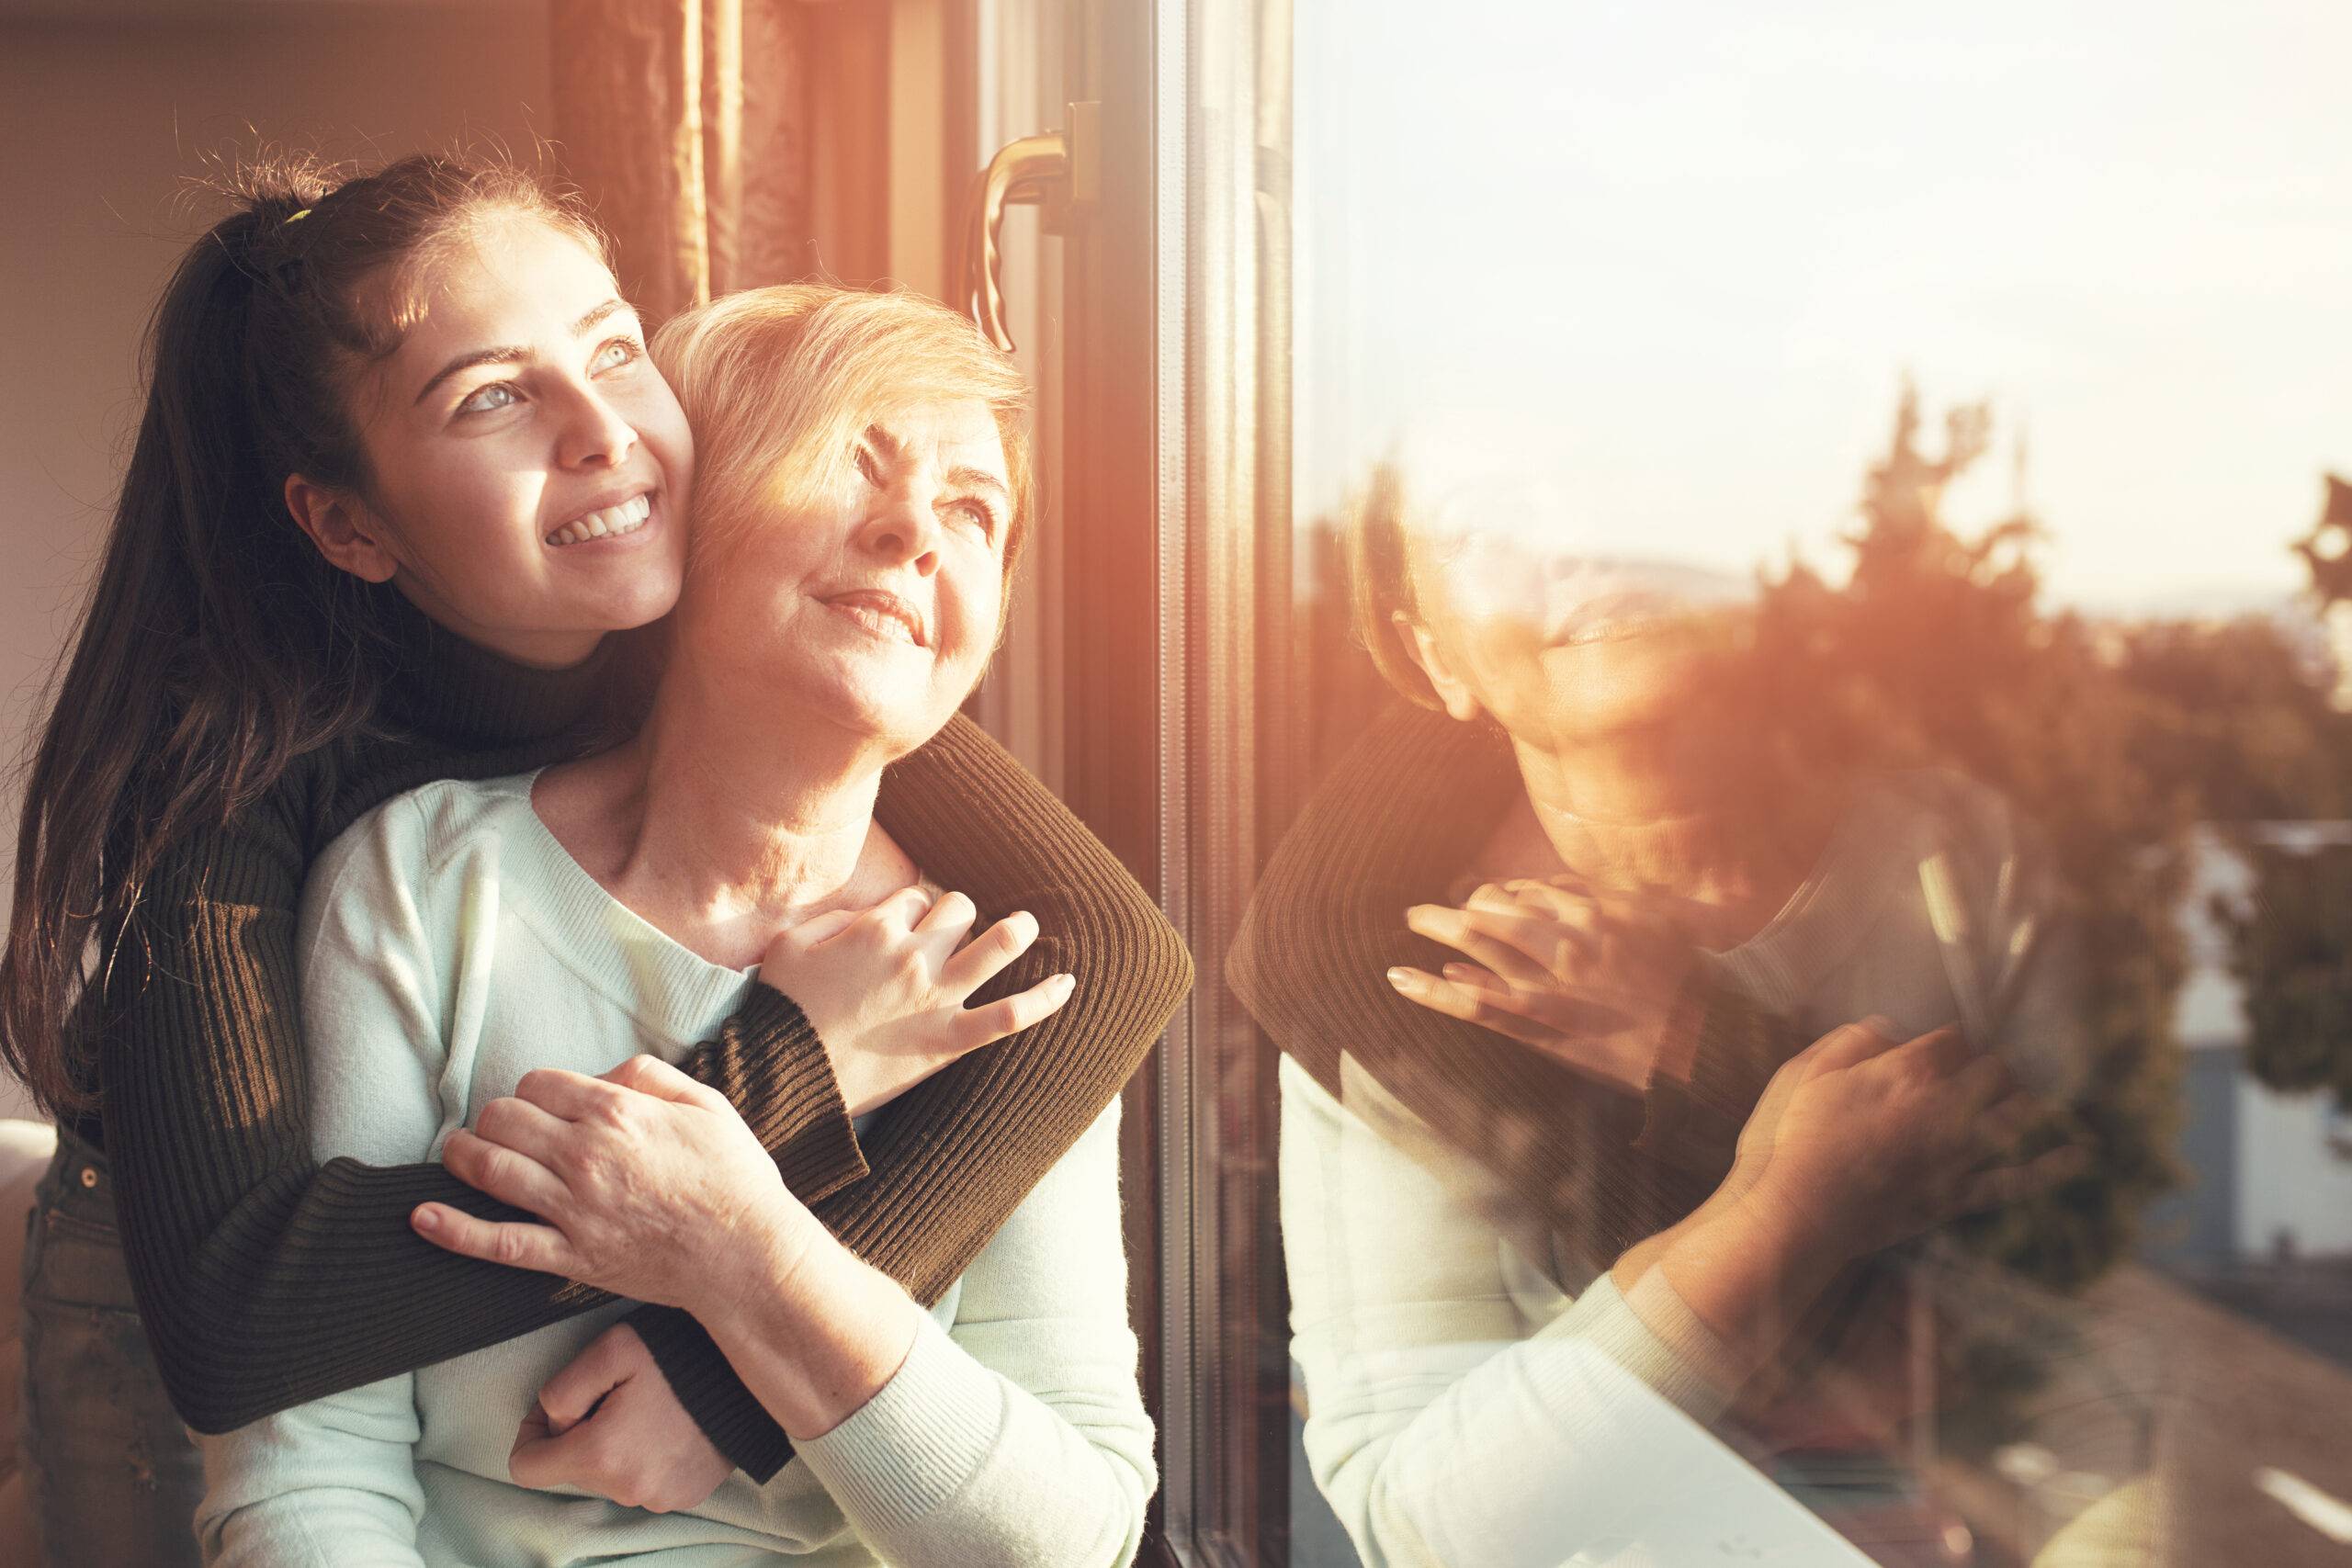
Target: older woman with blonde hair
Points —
{"points": [[864, 491]]}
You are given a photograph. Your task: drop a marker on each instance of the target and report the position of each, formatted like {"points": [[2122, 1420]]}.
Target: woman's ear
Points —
{"points": [[1423, 649], [344, 531]]}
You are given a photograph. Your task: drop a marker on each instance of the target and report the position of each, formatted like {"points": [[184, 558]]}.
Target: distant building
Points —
{"points": [[2271, 1174]]}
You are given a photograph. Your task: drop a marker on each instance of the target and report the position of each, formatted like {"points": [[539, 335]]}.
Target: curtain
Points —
{"points": [[686, 123]]}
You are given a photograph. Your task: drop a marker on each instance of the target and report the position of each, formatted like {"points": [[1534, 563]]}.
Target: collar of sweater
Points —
{"points": [[449, 689]]}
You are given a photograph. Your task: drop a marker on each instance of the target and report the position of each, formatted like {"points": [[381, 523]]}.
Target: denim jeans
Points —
{"points": [[112, 1477]]}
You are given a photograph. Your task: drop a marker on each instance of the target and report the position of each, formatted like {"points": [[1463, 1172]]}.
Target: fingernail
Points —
{"points": [[1404, 980], [1065, 982], [425, 1219], [1456, 971]]}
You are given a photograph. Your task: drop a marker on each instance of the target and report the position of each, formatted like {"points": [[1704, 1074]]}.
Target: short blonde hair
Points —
{"points": [[779, 382]]}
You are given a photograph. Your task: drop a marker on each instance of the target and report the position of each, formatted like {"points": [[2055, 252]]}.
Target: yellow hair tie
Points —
{"points": [[297, 218]]}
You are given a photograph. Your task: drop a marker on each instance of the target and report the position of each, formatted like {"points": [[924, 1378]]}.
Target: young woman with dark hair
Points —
{"points": [[304, 609]]}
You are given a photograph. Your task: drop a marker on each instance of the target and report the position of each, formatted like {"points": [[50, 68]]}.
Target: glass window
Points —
{"points": [[1752, 746]]}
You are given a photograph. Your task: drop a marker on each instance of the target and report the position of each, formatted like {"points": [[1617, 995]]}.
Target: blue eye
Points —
{"points": [[605, 359], [477, 403]]}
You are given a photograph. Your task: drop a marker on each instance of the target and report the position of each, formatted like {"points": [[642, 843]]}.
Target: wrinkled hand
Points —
{"points": [[1600, 980], [609, 1424], [885, 988], [650, 1184], [1867, 1142]]}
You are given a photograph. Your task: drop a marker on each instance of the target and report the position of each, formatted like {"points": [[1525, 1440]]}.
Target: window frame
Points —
{"points": [[1173, 498]]}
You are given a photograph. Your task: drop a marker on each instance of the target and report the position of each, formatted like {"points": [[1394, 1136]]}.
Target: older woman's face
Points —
{"points": [[873, 602], [1519, 621]]}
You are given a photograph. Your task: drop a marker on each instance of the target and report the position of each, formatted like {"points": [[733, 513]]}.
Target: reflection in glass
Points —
{"points": [[1643, 769], [1630, 1022]]}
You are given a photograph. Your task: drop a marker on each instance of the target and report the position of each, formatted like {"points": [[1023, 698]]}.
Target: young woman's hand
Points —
{"points": [[885, 988], [1601, 981], [609, 1424], [1865, 1143], [649, 1183]]}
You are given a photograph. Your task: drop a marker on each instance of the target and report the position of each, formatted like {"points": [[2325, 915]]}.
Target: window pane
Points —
{"points": [[1797, 780]]}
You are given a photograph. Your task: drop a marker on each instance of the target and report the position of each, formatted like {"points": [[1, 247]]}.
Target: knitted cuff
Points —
{"points": [[1650, 1334], [772, 1067], [737, 1425], [918, 1442]]}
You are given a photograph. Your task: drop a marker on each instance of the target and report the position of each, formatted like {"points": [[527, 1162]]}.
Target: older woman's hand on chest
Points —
{"points": [[649, 1184]]}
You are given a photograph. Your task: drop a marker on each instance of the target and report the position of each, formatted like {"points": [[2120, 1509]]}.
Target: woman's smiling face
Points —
{"points": [[529, 468], [871, 597]]}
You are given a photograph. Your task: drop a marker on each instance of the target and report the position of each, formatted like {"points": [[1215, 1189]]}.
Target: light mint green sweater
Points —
{"points": [[449, 944]]}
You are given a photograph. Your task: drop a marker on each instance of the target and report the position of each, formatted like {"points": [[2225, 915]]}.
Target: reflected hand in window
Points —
{"points": [[1601, 981], [1866, 1142]]}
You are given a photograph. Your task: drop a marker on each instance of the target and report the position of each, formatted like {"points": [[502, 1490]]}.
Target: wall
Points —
{"points": [[2264, 1165], [104, 108], [2196, 1227], [2295, 1181]]}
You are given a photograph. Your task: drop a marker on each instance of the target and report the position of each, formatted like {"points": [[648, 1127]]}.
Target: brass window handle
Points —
{"points": [[1053, 168]]}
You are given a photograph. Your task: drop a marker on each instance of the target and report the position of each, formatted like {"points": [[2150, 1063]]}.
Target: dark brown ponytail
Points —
{"points": [[217, 644]]}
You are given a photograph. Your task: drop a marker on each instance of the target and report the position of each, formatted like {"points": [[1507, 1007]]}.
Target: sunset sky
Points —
{"points": [[1679, 257]]}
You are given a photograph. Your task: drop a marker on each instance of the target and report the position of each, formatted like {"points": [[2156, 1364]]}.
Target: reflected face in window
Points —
{"points": [[1557, 643]]}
